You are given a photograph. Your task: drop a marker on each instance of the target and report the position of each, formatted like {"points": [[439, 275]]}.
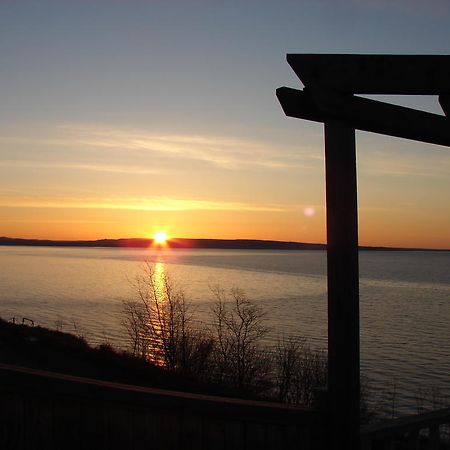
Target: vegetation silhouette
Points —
{"points": [[229, 352]]}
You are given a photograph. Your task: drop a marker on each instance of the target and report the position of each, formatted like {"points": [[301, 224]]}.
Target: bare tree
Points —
{"points": [[159, 324], [133, 320], [286, 361], [298, 371], [238, 327]]}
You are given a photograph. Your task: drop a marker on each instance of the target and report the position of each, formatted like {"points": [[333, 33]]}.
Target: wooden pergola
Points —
{"points": [[331, 82]]}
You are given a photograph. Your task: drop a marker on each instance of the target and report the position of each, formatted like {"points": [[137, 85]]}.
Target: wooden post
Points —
{"points": [[343, 285], [330, 84]]}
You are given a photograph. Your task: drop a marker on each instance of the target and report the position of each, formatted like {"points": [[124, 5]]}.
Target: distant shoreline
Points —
{"points": [[224, 244]]}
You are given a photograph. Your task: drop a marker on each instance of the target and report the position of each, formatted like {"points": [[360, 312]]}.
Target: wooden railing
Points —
{"points": [[45, 410], [423, 431]]}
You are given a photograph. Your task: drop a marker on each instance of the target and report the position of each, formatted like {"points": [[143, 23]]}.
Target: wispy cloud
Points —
{"points": [[223, 152], [33, 220], [398, 163], [131, 203], [78, 166]]}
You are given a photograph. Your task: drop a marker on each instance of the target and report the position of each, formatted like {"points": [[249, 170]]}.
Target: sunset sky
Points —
{"points": [[121, 118]]}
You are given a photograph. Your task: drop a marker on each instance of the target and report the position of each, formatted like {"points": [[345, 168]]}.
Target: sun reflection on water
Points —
{"points": [[159, 280], [154, 333]]}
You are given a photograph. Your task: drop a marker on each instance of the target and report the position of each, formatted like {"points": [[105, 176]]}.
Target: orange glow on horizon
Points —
{"points": [[427, 227]]}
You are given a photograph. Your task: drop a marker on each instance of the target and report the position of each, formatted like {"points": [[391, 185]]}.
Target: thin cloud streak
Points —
{"points": [[226, 153], [57, 221], [388, 163], [77, 166], [138, 204], [402, 172]]}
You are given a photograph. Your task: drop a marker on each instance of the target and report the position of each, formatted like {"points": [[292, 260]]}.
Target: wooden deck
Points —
{"points": [[45, 410]]}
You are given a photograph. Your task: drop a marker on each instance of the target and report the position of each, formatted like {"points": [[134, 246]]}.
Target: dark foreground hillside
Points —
{"points": [[41, 348], [41, 409]]}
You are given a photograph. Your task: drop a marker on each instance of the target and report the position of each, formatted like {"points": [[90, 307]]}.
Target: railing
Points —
{"points": [[45, 410], [25, 320], [423, 431]]}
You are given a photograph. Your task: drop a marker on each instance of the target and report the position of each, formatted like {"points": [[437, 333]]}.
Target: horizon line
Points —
{"points": [[285, 244]]}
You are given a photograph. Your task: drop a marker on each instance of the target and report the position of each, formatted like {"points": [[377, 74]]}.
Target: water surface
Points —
{"points": [[405, 308]]}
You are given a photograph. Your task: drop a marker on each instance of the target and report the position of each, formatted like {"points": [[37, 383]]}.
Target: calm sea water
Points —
{"points": [[405, 303]]}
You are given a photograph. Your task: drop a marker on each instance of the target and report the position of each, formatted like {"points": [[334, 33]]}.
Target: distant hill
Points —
{"points": [[174, 243], [234, 244]]}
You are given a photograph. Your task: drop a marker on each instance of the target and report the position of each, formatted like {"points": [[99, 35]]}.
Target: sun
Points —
{"points": [[160, 238]]}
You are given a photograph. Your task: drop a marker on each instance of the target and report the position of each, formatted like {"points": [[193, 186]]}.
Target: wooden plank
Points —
{"points": [[291, 438], [191, 432], [234, 435], [168, 430], [275, 436], [140, 435], [93, 426], [119, 434], [343, 284], [255, 436], [375, 74], [67, 421], [39, 418], [366, 115], [153, 434], [306, 438], [12, 423], [214, 434]]}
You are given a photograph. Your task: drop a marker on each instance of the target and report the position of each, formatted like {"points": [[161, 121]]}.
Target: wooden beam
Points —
{"points": [[374, 74], [343, 285], [298, 104], [444, 101], [366, 115]]}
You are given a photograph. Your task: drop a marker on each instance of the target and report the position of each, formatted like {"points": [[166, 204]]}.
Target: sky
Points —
{"points": [[122, 118]]}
